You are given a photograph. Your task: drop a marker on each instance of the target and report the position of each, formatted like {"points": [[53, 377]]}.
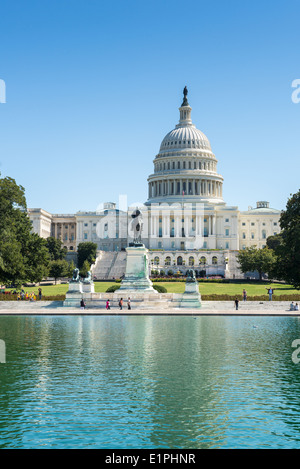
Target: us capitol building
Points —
{"points": [[186, 223]]}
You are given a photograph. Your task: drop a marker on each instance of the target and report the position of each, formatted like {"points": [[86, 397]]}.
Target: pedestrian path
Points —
{"points": [[271, 308]]}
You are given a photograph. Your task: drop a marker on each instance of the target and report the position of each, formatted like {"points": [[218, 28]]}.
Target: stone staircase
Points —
{"points": [[109, 265], [118, 266]]}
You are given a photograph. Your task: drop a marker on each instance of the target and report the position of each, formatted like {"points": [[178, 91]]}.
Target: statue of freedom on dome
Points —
{"points": [[185, 101]]}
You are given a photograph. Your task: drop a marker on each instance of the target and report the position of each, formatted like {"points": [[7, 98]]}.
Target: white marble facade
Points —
{"points": [[185, 214]]}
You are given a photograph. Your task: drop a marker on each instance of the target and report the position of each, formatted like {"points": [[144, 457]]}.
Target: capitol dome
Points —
{"points": [[184, 137], [185, 165]]}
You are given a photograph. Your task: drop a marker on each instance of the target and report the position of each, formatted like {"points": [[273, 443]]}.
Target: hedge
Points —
{"points": [[160, 289], [113, 288]]}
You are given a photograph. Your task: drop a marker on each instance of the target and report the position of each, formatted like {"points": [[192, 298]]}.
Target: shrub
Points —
{"points": [[160, 289], [113, 288]]}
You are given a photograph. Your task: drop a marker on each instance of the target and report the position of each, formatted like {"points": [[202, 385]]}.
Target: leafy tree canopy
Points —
{"points": [[56, 249], [23, 254], [288, 251], [86, 252], [260, 260]]}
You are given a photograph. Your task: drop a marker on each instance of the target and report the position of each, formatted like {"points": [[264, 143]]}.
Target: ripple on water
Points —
{"points": [[146, 382]]}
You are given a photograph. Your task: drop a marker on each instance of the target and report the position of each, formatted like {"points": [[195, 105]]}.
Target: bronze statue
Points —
{"points": [[191, 277], [185, 101], [137, 226], [75, 275]]}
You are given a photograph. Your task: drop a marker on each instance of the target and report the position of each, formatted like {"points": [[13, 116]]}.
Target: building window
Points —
{"points": [[202, 260], [252, 224], [243, 224], [264, 234], [168, 260], [252, 235], [275, 223], [85, 236], [227, 220], [179, 260], [85, 224], [156, 260], [244, 235], [227, 232], [191, 261], [214, 260], [227, 246]]}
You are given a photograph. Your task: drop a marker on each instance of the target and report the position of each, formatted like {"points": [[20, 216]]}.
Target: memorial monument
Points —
{"points": [[191, 298], [136, 277]]}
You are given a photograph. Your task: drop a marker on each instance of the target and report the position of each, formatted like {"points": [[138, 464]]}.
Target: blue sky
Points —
{"points": [[93, 87]]}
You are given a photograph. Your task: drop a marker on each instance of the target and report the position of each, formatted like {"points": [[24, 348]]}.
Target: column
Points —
{"points": [[186, 225], [177, 224]]}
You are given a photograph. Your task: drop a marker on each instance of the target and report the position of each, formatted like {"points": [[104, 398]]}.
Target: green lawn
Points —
{"points": [[205, 288], [52, 290], [252, 289]]}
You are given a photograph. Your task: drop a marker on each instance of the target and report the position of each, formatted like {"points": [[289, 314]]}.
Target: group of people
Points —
{"points": [[31, 296], [121, 302], [294, 307], [270, 292]]}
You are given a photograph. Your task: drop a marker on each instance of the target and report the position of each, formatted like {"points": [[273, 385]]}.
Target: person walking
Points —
{"points": [[121, 303], [129, 303], [236, 302], [108, 304], [82, 304], [40, 294], [244, 295]]}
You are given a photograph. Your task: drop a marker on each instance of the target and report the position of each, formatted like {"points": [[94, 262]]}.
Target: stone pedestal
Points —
{"points": [[88, 287], [137, 271], [191, 298], [74, 294]]}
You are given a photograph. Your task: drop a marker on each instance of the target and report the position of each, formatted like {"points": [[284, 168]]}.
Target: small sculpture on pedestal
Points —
{"points": [[136, 226], [75, 277]]}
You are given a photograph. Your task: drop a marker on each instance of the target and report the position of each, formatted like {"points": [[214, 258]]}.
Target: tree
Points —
{"points": [[58, 269], [37, 258], [274, 241], [71, 269], [260, 260], [85, 269], [86, 252], [55, 249], [22, 253], [288, 251]]}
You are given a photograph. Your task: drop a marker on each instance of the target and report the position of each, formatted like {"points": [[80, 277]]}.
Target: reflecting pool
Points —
{"points": [[149, 382]]}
